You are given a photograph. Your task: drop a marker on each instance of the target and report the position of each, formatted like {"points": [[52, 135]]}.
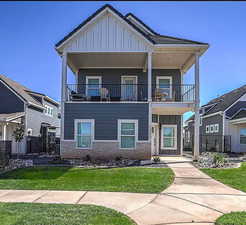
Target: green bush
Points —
{"points": [[156, 159], [219, 160]]}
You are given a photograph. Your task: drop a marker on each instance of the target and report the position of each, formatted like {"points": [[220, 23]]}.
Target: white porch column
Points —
{"points": [[5, 132], [149, 76], [197, 105], [63, 90]]}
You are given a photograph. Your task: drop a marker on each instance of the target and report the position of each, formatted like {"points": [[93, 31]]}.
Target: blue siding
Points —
{"points": [[10, 103], [111, 77], [106, 116]]}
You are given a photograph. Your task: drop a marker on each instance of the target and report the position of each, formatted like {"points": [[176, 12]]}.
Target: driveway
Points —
{"points": [[193, 199]]}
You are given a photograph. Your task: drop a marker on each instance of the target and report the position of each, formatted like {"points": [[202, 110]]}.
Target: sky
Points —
{"points": [[29, 31]]}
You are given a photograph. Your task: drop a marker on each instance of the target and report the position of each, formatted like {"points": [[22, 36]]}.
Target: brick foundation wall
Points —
{"points": [[105, 150]]}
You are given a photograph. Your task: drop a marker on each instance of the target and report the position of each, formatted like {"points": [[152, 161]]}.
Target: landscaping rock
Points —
{"points": [[18, 163], [104, 163], [214, 160]]}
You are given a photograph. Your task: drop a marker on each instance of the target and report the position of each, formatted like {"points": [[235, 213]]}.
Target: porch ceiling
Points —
{"points": [[106, 60], [172, 108], [162, 58]]}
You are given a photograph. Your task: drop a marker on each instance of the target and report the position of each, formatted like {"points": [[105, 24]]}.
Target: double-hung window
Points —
{"points": [[216, 128], [84, 133], [93, 85], [127, 133], [169, 137], [164, 84], [211, 128], [243, 136]]}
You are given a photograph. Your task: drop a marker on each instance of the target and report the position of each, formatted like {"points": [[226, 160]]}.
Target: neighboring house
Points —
{"points": [[223, 123], [20, 105], [129, 96]]}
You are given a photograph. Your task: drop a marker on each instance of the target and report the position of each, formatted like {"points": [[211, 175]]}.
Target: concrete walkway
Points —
{"points": [[193, 199]]}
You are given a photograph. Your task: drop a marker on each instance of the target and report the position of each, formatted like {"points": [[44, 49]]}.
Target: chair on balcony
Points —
{"points": [[74, 96], [160, 95], [104, 93], [163, 96]]}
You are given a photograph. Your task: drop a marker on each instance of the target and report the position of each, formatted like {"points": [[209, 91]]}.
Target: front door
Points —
{"points": [[129, 88]]}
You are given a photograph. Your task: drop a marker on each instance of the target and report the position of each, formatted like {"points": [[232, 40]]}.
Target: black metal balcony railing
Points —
{"points": [[130, 92]]}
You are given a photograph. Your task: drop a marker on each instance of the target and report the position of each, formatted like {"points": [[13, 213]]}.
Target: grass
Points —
{"points": [[234, 218], [235, 177], [142, 180], [54, 214]]}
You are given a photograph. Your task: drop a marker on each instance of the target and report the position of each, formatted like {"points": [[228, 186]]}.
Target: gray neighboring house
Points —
{"points": [[129, 96], [19, 105], [223, 122]]}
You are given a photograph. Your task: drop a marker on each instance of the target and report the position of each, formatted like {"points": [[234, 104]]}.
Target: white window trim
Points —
{"points": [[175, 136], [119, 132], [240, 136], [93, 77], [165, 77], [207, 129], [46, 109], [130, 76], [211, 128], [76, 121], [216, 128]]}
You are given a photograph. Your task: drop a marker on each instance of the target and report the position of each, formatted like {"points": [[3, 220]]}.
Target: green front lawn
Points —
{"points": [[143, 180], [234, 218], [53, 214], [235, 178]]}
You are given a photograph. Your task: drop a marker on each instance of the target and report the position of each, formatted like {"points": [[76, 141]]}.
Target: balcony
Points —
{"points": [[130, 93]]}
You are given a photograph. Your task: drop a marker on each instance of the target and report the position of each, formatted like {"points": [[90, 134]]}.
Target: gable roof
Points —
{"points": [[240, 114], [223, 102], [22, 91], [107, 6], [151, 36], [6, 117]]}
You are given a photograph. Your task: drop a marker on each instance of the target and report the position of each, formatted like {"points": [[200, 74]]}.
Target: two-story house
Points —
{"points": [[129, 96], [222, 123], [38, 113]]}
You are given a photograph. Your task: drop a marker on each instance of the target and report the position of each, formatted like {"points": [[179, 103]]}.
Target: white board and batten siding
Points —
{"points": [[107, 34]]}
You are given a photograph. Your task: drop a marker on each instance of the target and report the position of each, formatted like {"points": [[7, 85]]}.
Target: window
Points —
{"points": [[211, 129], [169, 137], [93, 85], [48, 110], [129, 88], [243, 136], [127, 133], [207, 129], [216, 128], [84, 133], [164, 84]]}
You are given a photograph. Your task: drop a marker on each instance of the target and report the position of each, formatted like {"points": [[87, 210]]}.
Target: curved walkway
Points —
{"points": [[193, 199]]}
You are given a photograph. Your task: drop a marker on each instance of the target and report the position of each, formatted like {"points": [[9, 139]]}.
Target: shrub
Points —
{"points": [[156, 159], [87, 158], [219, 160], [118, 158]]}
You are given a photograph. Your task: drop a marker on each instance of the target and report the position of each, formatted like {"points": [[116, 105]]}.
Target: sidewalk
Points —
{"points": [[193, 198]]}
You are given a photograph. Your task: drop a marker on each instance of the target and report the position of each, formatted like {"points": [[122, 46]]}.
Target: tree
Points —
{"points": [[18, 135]]}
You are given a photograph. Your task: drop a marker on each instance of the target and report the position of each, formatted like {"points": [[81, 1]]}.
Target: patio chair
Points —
{"points": [[104, 93]]}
